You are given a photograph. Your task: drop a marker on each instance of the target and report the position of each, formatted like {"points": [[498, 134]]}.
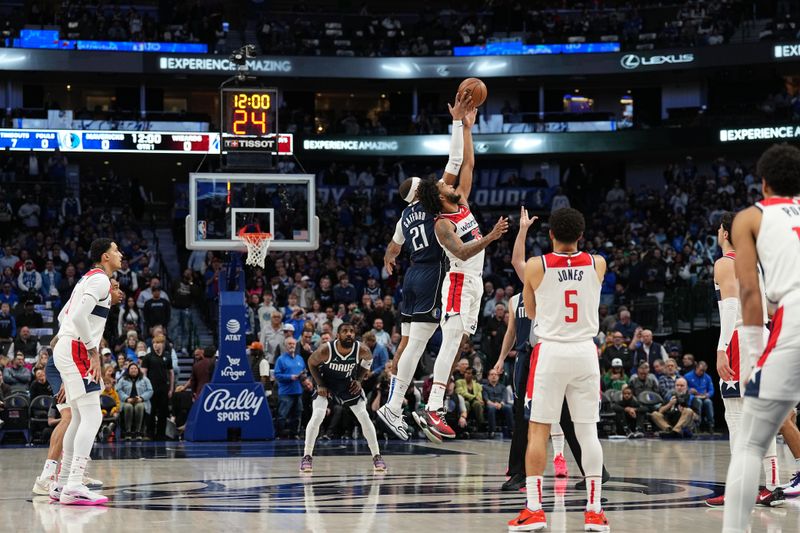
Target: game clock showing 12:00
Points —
{"points": [[249, 111]]}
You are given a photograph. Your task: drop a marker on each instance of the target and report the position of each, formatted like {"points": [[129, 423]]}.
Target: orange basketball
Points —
{"points": [[475, 88]]}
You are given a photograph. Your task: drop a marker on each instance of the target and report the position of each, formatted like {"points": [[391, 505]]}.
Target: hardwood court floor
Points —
{"points": [[657, 486]]}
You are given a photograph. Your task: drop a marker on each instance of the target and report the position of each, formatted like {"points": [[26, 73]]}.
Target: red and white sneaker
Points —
{"points": [[717, 501], [594, 521], [528, 520], [81, 496], [433, 422], [560, 464], [770, 498]]}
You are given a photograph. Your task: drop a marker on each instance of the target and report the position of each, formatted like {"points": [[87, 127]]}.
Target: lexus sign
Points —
{"points": [[633, 61]]}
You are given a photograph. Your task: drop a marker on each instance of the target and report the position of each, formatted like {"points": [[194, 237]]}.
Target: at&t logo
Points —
{"points": [[233, 328]]}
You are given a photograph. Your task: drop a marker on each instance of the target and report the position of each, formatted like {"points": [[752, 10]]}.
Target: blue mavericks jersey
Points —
{"points": [[523, 327], [419, 234]]}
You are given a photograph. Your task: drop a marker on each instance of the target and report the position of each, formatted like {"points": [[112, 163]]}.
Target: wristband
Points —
{"points": [[366, 364]]}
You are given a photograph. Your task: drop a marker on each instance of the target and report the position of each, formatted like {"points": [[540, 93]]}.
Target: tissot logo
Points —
{"points": [[632, 61]]}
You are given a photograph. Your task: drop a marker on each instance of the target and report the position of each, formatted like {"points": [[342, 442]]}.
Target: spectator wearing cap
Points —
{"points": [[304, 293], [625, 325], [618, 350], [26, 344], [288, 333], [373, 290], [647, 350], [16, 376], [107, 356], [8, 296], [289, 371], [701, 386], [674, 352], [643, 380], [8, 327], [344, 292], [29, 281], [666, 383], [29, 317], [616, 377]]}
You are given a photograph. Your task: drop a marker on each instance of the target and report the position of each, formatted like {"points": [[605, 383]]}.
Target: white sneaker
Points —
{"points": [[792, 489], [55, 490], [393, 422], [81, 496], [42, 485]]}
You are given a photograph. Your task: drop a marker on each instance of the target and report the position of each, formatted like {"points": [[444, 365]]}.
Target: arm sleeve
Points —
{"points": [[728, 309], [456, 149], [398, 236]]}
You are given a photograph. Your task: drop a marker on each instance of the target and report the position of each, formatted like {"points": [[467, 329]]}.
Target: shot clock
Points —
{"points": [[249, 119]]}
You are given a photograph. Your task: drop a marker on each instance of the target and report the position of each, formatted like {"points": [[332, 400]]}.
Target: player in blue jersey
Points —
{"points": [[421, 307]]}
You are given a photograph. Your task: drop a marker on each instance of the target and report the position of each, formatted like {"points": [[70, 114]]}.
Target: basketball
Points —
{"points": [[474, 87]]}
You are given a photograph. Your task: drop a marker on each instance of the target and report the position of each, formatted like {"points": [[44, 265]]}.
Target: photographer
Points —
{"points": [[676, 417]]}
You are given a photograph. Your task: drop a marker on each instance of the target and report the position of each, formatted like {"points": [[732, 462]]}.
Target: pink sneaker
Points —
{"points": [[81, 496], [560, 465]]}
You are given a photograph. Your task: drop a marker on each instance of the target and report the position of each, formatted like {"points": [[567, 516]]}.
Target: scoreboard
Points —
{"points": [[153, 142]]}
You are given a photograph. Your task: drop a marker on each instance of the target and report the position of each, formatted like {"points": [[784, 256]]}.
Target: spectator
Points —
{"points": [[129, 317], [472, 392], [701, 386], [157, 310], [135, 392], [625, 325], [643, 380], [373, 290], [29, 281], [461, 369], [8, 328], [260, 365], [616, 378], [494, 331], [8, 296], [40, 387], [146, 294], [68, 283], [202, 372], [381, 337], [16, 376], [26, 344], [676, 417], [271, 335], [494, 398], [303, 293], [128, 280], [265, 310], [645, 349], [630, 415], [455, 410], [29, 318], [380, 356], [51, 279], [306, 344], [618, 350], [108, 390], [289, 370], [490, 306], [666, 383], [344, 292], [157, 367], [688, 364], [658, 368], [184, 296]]}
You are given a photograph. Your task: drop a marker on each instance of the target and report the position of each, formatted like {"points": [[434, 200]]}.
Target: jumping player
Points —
{"points": [[421, 307], [458, 233], [766, 234], [81, 326], [729, 364], [566, 285], [338, 367], [42, 484]]}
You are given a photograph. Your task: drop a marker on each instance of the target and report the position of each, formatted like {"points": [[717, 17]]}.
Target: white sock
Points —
{"points": [[594, 489], [66, 466], [397, 391], [534, 490], [558, 442], [770, 465], [436, 398], [76, 471], [50, 468]]}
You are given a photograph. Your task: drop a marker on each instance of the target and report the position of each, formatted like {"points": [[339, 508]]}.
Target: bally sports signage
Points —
{"points": [[233, 399], [634, 61]]}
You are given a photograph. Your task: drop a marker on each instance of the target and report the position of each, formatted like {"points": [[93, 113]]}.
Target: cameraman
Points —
{"points": [[676, 418]]}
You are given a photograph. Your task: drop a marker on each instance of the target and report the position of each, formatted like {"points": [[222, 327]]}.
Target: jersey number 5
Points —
{"points": [[418, 238], [572, 306]]}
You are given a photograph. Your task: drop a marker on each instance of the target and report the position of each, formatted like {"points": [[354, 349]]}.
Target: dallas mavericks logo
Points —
{"points": [[230, 371], [233, 409], [232, 326]]}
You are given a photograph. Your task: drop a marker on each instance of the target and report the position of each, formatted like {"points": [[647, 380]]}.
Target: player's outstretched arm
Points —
{"points": [[317, 358], [534, 273], [518, 253], [446, 234], [468, 166], [457, 111], [394, 247], [725, 278], [508, 340]]}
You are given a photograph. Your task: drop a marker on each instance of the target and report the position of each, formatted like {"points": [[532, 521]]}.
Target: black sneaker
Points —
{"points": [[514, 483]]}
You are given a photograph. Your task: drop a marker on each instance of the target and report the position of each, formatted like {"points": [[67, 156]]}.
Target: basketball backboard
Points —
{"points": [[220, 204]]}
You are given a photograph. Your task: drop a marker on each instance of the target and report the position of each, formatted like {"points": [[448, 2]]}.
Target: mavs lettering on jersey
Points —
{"points": [[339, 371]]}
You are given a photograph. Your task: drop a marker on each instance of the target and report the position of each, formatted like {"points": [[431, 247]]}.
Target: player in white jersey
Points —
{"points": [[459, 235], [766, 234], [729, 363], [81, 325], [421, 310], [565, 285]]}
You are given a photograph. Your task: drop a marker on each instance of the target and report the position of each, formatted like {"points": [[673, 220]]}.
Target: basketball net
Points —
{"points": [[257, 247]]}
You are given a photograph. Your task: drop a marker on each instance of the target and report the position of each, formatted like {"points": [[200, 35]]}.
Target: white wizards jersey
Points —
{"points": [[568, 298], [467, 229], [778, 246], [739, 320], [93, 288]]}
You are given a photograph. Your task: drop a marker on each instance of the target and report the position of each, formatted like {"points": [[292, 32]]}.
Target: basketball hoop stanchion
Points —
{"points": [[257, 246]]}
